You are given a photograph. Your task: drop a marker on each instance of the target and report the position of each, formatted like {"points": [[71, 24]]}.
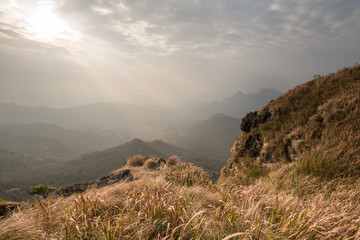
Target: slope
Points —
{"points": [[14, 182], [315, 125]]}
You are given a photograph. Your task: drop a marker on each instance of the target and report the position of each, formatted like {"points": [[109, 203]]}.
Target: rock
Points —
{"points": [[253, 119], [77, 188], [160, 161], [262, 118], [124, 175], [7, 207], [157, 164], [248, 121], [251, 143]]}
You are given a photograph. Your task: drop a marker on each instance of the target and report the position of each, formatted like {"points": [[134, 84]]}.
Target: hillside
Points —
{"points": [[315, 125], [211, 137], [20, 173], [294, 173]]}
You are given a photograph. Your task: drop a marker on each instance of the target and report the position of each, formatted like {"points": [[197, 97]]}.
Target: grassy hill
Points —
{"points": [[20, 173], [293, 174], [315, 125]]}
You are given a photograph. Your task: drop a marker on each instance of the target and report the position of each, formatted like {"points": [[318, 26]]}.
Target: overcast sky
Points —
{"points": [[71, 52]]}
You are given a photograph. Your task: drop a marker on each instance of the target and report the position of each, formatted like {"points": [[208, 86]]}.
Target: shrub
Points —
{"points": [[172, 160], [151, 164], [187, 174], [41, 189], [138, 160]]}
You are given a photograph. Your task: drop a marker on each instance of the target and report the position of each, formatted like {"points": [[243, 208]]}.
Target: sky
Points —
{"points": [[168, 52]]}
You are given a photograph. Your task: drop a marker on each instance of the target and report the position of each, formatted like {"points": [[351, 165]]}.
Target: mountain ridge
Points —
{"points": [[294, 173]]}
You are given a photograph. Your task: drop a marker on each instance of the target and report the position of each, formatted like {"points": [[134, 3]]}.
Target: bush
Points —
{"points": [[138, 160], [173, 160], [186, 174], [41, 189], [151, 164]]}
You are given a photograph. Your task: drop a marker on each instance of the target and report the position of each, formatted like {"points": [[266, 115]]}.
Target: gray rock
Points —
{"points": [[7, 207], [124, 175], [253, 119], [251, 143]]}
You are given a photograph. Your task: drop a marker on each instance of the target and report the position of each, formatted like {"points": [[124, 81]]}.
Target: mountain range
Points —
{"points": [[293, 173], [70, 145]]}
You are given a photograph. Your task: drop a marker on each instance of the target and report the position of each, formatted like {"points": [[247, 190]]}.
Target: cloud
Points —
{"points": [[203, 49], [212, 28]]}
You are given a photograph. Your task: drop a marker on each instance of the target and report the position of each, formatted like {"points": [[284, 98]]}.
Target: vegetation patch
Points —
{"points": [[138, 160]]}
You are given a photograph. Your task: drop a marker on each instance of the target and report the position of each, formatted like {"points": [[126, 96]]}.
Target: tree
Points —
{"points": [[41, 189]]}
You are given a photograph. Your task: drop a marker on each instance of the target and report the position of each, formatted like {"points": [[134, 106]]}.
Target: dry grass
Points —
{"points": [[321, 119], [138, 160], [156, 208], [172, 160]]}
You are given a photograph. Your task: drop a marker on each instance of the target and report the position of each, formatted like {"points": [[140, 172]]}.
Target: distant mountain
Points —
{"points": [[16, 180], [212, 137], [13, 161], [147, 122], [238, 105], [47, 141]]}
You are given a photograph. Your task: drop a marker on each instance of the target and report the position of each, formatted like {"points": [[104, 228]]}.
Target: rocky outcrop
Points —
{"points": [[124, 175], [253, 119], [76, 188], [251, 143], [7, 207], [156, 164]]}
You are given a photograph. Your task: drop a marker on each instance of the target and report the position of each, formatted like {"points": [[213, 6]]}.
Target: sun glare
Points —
{"points": [[46, 25]]}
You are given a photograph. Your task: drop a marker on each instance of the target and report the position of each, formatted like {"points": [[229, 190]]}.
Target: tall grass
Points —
{"points": [[156, 208], [320, 118]]}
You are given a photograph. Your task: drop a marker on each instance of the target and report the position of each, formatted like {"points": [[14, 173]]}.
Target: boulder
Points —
{"points": [[76, 188], [248, 121], [253, 119], [251, 143], [7, 207], [124, 175]]}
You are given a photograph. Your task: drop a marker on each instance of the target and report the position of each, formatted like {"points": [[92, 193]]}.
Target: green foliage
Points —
{"points": [[41, 189]]}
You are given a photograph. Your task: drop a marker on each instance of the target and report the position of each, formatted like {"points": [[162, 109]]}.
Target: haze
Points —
{"points": [[66, 53]]}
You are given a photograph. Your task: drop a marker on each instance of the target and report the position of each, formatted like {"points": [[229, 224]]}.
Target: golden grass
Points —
{"points": [[158, 207], [138, 160], [321, 119], [172, 160]]}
